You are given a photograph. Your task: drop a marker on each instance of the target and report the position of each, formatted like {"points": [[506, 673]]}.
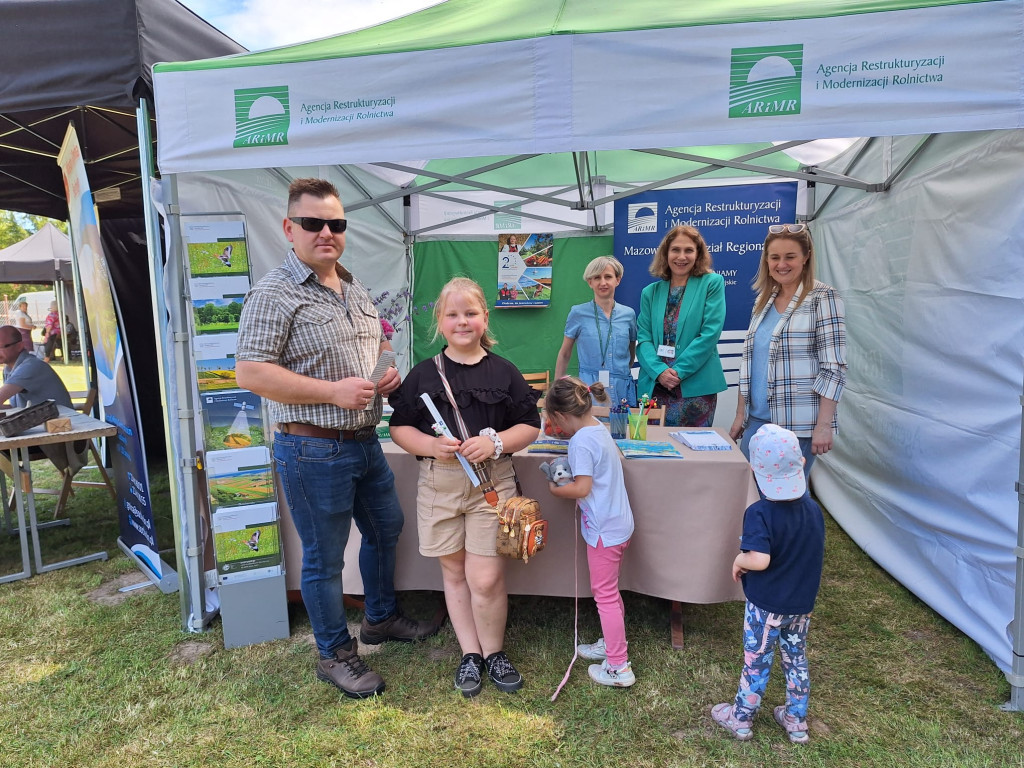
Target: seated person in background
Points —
{"points": [[27, 379]]}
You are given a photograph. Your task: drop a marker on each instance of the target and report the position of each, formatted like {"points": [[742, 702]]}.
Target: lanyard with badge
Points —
{"points": [[603, 374], [667, 352]]}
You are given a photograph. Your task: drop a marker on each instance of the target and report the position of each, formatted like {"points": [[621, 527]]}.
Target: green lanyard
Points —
{"points": [[608, 337]]}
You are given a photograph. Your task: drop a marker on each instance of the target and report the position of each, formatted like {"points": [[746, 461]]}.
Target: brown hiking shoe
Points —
{"points": [[396, 627], [349, 673]]}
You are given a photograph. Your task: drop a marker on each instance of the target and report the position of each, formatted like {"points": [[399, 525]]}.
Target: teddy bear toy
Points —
{"points": [[557, 471]]}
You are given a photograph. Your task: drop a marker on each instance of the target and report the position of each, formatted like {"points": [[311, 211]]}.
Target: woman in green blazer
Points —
{"points": [[681, 318]]}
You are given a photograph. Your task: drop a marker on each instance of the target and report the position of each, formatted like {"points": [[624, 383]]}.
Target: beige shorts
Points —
{"points": [[452, 515]]}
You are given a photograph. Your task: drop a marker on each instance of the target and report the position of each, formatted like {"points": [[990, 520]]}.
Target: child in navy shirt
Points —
{"points": [[783, 547]]}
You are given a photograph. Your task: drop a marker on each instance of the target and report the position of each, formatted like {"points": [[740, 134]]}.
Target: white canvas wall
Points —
{"points": [[922, 475]]}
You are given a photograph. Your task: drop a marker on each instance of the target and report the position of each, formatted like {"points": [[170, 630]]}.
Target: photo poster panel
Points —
{"points": [[247, 543], [137, 528], [239, 472], [733, 220], [524, 270], [239, 477]]}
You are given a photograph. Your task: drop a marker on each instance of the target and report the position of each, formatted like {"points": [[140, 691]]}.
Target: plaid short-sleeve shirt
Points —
{"points": [[290, 319]]}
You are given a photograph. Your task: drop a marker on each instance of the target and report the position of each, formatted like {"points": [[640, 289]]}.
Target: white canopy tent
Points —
{"points": [[504, 82]]}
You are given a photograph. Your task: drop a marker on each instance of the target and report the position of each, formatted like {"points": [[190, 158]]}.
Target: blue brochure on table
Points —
{"points": [[647, 449]]}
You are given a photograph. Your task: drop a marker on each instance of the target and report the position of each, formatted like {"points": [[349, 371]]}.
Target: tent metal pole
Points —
{"points": [[891, 178], [434, 184], [487, 210], [366, 193], [189, 579], [712, 165], [448, 178], [1016, 674], [849, 167]]}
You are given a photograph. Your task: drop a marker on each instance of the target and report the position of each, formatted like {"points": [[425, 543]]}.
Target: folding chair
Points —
{"points": [[539, 381]]}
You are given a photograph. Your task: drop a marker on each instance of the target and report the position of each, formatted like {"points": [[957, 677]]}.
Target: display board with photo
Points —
{"points": [[524, 270]]}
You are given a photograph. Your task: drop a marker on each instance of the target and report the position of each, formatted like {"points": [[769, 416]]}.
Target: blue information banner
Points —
{"points": [[733, 221]]}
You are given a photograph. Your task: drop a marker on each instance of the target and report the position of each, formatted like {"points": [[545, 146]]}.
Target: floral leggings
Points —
{"points": [[761, 631]]}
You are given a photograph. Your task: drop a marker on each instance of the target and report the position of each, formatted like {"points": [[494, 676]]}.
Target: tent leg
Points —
{"points": [[1016, 674]]}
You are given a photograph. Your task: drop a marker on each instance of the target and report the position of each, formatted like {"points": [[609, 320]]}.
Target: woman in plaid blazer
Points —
{"points": [[794, 356]]}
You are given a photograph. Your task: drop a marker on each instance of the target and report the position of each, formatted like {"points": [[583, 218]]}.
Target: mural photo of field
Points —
{"points": [[224, 257], [224, 437], [217, 315], [258, 545], [250, 485], [213, 375]]}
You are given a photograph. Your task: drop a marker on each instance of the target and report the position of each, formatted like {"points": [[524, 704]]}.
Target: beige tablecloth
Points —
{"points": [[688, 514]]}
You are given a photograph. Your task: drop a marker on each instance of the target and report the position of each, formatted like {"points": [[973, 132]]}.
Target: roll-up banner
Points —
{"points": [[113, 368]]}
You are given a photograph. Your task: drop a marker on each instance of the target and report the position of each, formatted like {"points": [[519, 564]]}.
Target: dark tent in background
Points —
{"points": [[89, 62], [44, 257]]}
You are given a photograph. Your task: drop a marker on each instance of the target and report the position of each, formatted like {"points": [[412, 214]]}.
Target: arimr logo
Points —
{"points": [[641, 217], [765, 81], [261, 116], [510, 219]]}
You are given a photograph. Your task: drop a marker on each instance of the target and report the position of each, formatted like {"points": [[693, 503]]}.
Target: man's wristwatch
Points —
{"points": [[493, 435]]}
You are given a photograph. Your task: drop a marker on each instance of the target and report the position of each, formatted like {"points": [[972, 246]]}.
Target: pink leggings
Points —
{"points": [[604, 583]]}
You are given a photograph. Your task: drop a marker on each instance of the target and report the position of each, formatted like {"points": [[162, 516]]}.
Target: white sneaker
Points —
{"points": [[617, 678], [592, 651]]}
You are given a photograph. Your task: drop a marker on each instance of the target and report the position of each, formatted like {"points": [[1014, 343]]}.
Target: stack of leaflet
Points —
{"points": [[702, 440], [546, 444]]}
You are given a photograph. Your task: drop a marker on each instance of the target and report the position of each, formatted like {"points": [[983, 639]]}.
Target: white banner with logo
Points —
{"points": [[949, 68]]}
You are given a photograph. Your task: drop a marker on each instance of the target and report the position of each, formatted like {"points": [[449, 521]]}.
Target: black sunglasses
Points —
{"points": [[311, 224], [8, 346]]}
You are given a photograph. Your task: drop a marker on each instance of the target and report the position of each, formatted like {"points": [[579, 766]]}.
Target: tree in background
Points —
{"points": [[15, 227]]}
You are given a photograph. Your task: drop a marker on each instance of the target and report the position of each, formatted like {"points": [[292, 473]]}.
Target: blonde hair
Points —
{"points": [[765, 285], [470, 288], [701, 265], [600, 264], [569, 395]]}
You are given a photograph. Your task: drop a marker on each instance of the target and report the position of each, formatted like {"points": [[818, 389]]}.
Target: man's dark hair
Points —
{"points": [[320, 188]]}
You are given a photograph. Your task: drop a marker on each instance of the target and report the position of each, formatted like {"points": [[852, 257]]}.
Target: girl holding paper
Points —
{"points": [[455, 522]]}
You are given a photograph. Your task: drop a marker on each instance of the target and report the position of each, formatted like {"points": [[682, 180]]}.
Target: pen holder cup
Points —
{"points": [[637, 426], [618, 423]]}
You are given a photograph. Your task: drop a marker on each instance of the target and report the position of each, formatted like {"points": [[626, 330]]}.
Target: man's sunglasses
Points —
{"points": [[310, 224], [8, 346], [793, 229]]}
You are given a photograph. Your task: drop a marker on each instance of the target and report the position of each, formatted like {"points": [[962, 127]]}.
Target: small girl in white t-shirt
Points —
{"points": [[606, 519]]}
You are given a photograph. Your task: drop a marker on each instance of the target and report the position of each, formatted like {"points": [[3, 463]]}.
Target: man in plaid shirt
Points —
{"points": [[309, 337]]}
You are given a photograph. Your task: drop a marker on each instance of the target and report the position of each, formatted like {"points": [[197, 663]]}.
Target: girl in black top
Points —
{"points": [[454, 521]]}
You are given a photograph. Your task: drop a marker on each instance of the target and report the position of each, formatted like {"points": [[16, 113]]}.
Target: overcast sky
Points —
{"points": [[260, 24]]}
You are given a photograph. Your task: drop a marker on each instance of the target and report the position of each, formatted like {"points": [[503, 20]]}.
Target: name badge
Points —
{"points": [[604, 377], [664, 350]]}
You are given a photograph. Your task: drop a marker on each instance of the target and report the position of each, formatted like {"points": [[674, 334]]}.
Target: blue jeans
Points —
{"points": [[750, 430], [327, 484]]}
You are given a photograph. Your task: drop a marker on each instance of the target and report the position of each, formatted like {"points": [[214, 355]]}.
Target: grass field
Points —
{"points": [[94, 679]]}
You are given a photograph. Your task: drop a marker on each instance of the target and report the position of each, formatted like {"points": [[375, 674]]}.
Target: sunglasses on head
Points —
{"points": [[793, 229], [311, 224]]}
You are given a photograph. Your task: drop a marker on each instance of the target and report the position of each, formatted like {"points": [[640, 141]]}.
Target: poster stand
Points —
{"points": [[231, 438]]}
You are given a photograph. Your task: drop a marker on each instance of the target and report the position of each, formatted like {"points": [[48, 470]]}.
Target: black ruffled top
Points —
{"points": [[490, 393]]}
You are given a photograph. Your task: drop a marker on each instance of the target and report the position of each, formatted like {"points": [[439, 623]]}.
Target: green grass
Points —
{"points": [[98, 686]]}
